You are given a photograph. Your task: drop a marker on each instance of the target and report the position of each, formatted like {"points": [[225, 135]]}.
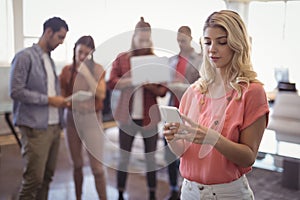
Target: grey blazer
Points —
{"points": [[191, 73]]}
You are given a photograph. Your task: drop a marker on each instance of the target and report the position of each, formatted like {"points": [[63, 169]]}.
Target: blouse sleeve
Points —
{"points": [[255, 104], [115, 73]]}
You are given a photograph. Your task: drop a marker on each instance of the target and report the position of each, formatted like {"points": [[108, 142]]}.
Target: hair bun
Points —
{"points": [[142, 24]]}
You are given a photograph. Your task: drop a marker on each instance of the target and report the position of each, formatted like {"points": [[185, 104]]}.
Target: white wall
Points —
{"points": [[4, 98]]}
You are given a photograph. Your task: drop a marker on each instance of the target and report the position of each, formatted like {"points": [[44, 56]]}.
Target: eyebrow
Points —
{"points": [[225, 36], [61, 37]]}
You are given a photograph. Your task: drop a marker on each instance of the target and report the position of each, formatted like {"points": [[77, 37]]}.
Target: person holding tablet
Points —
{"points": [[83, 118], [137, 109], [225, 113]]}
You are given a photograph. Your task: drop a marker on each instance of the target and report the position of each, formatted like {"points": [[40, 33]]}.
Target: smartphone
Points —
{"points": [[170, 114]]}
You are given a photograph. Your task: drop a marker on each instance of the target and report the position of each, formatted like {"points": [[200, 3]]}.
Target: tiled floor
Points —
{"points": [[62, 187]]}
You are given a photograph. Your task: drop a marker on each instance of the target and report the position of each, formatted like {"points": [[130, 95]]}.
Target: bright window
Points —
{"points": [[6, 33], [103, 19], [274, 29]]}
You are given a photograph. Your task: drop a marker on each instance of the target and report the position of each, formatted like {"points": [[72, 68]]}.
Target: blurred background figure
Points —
{"points": [[137, 109], [185, 69], [84, 119]]}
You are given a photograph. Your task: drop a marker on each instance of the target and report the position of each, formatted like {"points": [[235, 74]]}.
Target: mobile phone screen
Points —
{"points": [[170, 114]]}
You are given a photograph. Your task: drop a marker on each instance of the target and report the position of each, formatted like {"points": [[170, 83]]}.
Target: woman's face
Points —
{"points": [[81, 52], [142, 39], [216, 47]]}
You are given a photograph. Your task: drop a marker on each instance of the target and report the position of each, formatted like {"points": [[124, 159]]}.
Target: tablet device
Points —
{"points": [[81, 95], [170, 114], [149, 69]]}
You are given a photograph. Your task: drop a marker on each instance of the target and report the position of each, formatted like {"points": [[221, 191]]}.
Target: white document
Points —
{"points": [[81, 95], [150, 69]]}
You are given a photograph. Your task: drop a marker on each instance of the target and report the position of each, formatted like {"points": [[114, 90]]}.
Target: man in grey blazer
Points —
{"points": [[185, 70]]}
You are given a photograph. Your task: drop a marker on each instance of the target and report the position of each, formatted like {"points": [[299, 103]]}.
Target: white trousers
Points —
{"points": [[238, 189]]}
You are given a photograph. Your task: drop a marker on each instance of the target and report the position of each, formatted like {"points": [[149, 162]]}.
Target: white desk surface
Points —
{"points": [[5, 107]]}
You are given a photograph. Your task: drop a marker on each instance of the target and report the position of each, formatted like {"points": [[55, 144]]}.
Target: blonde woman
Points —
{"points": [[225, 113]]}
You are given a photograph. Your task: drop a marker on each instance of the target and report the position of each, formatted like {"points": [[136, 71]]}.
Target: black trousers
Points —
{"points": [[173, 164], [126, 137]]}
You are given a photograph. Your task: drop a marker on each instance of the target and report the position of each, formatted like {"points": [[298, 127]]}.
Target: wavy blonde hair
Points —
{"points": [[241, 70]]}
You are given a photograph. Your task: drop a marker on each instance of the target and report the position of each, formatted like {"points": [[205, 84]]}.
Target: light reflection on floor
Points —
{"points": [[268, 145]]}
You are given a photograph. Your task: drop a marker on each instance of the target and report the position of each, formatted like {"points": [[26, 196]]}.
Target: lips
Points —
{"points": [[214, 58]]}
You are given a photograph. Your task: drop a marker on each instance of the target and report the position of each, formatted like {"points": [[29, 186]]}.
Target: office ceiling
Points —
{"points": [[246, 1]]}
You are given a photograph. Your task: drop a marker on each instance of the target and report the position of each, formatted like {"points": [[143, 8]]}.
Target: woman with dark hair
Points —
{"points": [[137, 109], [83, 119]]}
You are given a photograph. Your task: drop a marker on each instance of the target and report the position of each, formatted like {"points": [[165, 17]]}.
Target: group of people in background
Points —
{"points": [[229, 136]]}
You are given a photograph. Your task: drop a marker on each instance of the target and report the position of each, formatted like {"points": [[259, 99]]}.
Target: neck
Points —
{"points": [[221, 72], [221, 78], [42, 43], [77, 65], [141, 52], [186, 52]]}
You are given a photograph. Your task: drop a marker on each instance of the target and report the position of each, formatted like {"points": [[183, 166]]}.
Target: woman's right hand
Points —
{"points": [[169, 130]]}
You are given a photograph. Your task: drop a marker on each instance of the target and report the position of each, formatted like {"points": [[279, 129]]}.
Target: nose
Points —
{"points": [[213, 47], [82, 57], [61, 41]]}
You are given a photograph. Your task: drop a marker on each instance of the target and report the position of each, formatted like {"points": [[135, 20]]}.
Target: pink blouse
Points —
{"points": [[212, 167]]}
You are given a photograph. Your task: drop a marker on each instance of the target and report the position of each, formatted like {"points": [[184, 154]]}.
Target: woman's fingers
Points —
{"points": [[169, 126], [190, 121], [169, 130], [169, 135], [183, 129], [190, 137], [190, 134]]}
